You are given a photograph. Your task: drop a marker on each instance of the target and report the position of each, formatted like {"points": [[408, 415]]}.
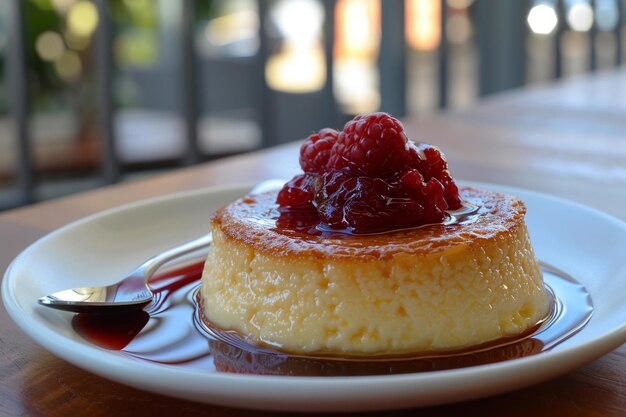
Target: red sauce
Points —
{"points": [[172, 332]]}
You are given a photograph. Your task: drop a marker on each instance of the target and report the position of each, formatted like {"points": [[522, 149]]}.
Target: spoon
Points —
{"points": [[132, 292]]}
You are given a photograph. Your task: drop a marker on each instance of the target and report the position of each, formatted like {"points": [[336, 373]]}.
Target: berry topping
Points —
{"points": [[298, 192], [315, 150], [374, 145], [370, 178], [431, 163]]}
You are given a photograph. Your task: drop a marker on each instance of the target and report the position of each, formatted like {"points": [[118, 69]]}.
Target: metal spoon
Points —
{"points": [[132, 292]]}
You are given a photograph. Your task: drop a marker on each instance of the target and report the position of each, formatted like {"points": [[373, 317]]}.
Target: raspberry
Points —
{"points": [[373, 145], [330, 183], [315, 150], [298, 192], [430, 162], [412, 182], [371, 207], [451, 192], [435, 211], [366, 205], [367, 178]]}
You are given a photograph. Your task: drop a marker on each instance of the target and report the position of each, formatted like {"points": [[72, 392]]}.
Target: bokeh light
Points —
{"points": [[607, 15], [459, 29], [77, 43], [300, 65], [82, 19], [459, 4], [580, 17], [542, 19], [296, 70], [299, 21], [62, 6], [423, 30], [357, 38], [49, 46], [68, 66], [233, 27], [357, 29]]}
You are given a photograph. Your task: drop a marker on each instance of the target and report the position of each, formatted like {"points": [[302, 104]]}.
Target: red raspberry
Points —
{"points": [[330, 183], [298, 192], [371, 207], [435, 210], [412, 183], [431, 163], [373, 144], [366, 205], [315, 150], [367, 178], [451, 192]]}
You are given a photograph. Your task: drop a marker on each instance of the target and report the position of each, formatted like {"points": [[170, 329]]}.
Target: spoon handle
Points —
{"points": [[148, 268]]}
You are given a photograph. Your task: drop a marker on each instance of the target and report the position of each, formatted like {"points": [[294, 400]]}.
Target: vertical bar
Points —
{"points": [[443, 57], [619, 9], [484, 15], [19, 99], [502, 44], [593, 59], [264, 96], [190, 88], [558, 36], [329, 43], [392, 59], [104, 74]]}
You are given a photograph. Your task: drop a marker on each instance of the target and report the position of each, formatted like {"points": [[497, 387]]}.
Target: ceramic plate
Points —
{"points": [[584, 243]]}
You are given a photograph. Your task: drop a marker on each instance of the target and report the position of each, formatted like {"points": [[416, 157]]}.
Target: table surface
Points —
{"points": [[567, 139]]}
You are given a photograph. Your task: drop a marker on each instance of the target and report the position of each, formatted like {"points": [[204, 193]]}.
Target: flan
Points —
{"points": [[433, 288]]}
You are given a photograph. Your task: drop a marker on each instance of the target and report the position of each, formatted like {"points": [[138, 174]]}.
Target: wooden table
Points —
{"points": [[567, 139]]}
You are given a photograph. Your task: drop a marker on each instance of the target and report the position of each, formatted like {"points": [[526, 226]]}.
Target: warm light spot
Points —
{"points": [[357, 38], [459, 29], [299, 21], [82, 19], [356, 85], [580, 17], [300, 65], [423, 24], [68, 66], [542, 19], [357, 28], [49, 46], [296, 70], [232, 27], [459, 4]]}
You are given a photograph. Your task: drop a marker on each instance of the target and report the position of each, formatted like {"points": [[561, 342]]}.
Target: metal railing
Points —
{"points": [[502, 66]]}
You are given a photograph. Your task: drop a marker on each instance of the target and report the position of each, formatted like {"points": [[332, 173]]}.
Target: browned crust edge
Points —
{"points": [[500, 215]]}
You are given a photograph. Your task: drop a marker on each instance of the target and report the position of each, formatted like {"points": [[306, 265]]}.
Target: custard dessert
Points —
{"points": [[373, 250]]}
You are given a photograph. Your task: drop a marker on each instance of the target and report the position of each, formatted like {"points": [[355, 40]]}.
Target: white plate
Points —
{"points": [[587, 244]]}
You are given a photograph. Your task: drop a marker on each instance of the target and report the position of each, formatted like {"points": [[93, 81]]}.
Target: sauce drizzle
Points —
{"points": [[172, 332]]}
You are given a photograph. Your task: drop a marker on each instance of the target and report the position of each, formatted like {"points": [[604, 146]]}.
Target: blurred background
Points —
{"points": [[102, 91]]}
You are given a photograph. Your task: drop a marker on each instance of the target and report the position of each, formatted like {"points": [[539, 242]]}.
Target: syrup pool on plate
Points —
{"points": [[171, 332]]}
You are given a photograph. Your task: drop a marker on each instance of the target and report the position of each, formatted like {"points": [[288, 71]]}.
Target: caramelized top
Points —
{"points": [[256, 221]]}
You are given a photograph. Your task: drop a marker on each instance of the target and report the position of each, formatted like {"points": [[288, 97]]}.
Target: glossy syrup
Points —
{"points": [[171, 332]]}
